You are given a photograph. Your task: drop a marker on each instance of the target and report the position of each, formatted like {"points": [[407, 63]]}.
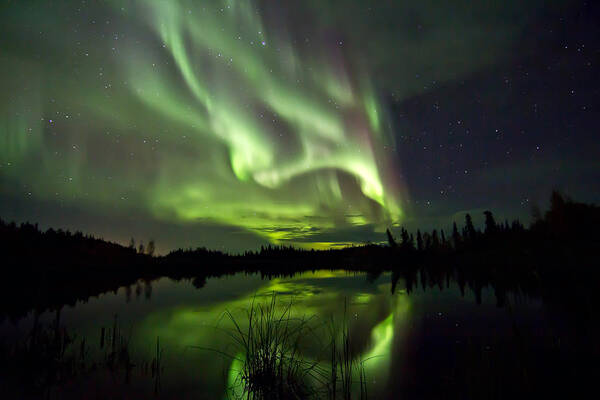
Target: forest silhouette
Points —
{"points": [[44, 270]]}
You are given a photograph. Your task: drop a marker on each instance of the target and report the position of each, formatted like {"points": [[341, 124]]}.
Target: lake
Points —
{"points": [[181, 337]]}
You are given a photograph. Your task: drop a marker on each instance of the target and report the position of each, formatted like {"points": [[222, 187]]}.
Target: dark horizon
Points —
{"points": [[479, 224]]}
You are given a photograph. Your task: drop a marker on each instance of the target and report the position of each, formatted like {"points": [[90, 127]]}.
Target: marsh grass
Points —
{"points": [[50, 362], [118, 356], [117, 350], [271, 345], [157, 366], [270, 354], [347, 369]]}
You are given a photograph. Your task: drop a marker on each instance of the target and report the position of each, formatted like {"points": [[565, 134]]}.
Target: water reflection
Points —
{"points": [[185, 320], [386, 329]]}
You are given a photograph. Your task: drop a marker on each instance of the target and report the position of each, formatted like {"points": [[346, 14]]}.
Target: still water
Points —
{"points": [[400, 339]]}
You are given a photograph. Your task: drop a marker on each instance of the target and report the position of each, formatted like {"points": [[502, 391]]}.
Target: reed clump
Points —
{"points": [[272, 363], [271, 349], [347, 369]]}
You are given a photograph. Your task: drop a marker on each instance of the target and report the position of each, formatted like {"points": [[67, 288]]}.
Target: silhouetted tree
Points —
{"points": [[419, 241], [557, 202], [455, 236], [151, 247], [517, 226], [141, 248], [469, 228], [390, 238], [490, 223], [427, 241], [132, 244], [435, 240], [556, 218], [536, 213], [406, 240]]}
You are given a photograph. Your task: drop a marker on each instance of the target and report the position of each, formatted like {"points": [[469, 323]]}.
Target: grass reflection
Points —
{"points": [[292, 349], [369, 322]]}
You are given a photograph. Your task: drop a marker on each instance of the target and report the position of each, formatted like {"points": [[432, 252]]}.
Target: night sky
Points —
{"points": [[232, 124]]}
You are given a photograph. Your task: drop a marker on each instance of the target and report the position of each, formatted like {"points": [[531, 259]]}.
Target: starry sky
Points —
{"points": [[233, 124]]}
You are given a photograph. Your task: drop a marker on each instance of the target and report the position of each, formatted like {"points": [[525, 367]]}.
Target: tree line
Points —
{"points": [[54, 267]]}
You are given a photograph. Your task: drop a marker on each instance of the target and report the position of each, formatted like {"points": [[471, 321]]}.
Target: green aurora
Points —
{"points": [[213, 119], [191, 121], [245, 96]]}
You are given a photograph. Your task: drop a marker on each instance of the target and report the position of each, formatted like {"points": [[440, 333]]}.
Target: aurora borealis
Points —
{"points": [[232, 124], [215, 119], [285, 143]]}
